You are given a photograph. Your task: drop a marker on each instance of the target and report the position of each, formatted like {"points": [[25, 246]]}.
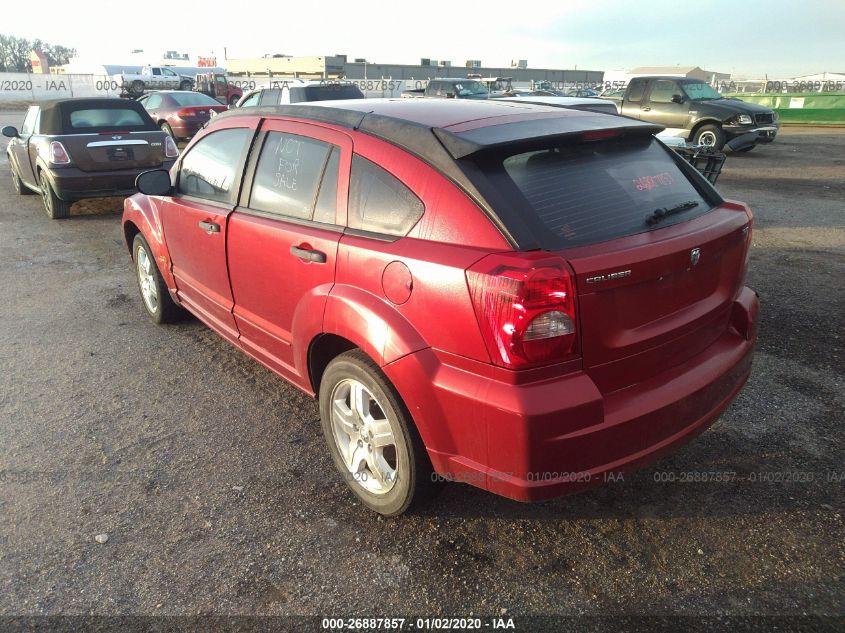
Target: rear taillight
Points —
{"points": [[185, 112], [525, 307], [170, 149], [58, 154]]}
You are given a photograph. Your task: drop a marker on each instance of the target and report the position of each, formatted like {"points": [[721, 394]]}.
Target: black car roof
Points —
{"points": [[441, 132], [54, 119]]}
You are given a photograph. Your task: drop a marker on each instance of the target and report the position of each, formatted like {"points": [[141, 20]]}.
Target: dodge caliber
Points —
{"points": [[520, 297]]}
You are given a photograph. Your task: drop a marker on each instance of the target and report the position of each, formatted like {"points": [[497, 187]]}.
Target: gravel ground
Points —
{"points": [[210, 477]]}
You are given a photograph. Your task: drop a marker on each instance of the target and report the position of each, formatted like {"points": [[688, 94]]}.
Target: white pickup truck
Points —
{"points": [[153, 78]]}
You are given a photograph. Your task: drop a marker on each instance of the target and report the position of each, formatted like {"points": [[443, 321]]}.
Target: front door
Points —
{"points": [[283, 239], [22, 156], [663, 109], [195, 222]]}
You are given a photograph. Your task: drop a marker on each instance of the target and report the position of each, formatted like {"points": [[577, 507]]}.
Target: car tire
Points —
{"points": [[384, 441], [137, 87], [56, 208], [20, 188], [154, 293], [165, 127], [234, 100], [710, 136], [185, 85]]}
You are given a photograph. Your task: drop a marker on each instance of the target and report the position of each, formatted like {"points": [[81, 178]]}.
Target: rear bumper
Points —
{"points": [[549, 438], [72, 184]]}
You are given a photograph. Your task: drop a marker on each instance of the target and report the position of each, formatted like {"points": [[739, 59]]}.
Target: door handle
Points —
{"points": [[211, 227], [308, 255], [645, 109]]}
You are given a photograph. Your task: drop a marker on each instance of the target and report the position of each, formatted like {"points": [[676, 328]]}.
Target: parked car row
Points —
{"points": [[520, 297]]}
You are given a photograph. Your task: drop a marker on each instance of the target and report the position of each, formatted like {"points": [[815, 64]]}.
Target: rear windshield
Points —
{"points": [[329, 92], [129, 118], [193, 99], [592, 192]]}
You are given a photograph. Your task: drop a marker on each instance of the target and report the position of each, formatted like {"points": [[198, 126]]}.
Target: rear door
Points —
{"points": [[195, 221], [283, 238], [632, 101]]}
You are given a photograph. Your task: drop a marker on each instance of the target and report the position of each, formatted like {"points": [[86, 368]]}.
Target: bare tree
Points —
{"points": [[15, 52]]}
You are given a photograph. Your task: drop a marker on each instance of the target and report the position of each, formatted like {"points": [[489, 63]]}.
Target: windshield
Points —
{"points": [[700, 92], [470, 88], [193, 99]]}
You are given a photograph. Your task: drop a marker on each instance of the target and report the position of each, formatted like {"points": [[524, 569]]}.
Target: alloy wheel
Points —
{"points": [[146, 280], [364, 436]]}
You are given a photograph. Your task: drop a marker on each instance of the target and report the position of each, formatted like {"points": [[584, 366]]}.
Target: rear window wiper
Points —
{"points": [[658, 214]]}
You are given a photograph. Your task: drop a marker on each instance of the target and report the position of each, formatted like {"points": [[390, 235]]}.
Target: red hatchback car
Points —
{"points": [[519, 297]]}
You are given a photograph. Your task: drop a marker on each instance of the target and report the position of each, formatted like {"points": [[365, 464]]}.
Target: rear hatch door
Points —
{"points": [[115, 150], [658, 256]]}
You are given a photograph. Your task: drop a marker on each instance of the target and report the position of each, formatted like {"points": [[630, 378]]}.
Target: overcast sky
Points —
{"points": [[743, 37]]}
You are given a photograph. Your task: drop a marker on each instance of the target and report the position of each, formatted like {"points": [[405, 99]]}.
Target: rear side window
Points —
{"points": [[105, 118], [592, 192], [270, 96], [636, 90], [288, 174], [378, 202], [210, 169]]}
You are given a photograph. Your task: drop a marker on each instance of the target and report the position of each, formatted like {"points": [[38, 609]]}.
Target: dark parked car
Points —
{"points": [[180, 114], [518, 297], [696, 112], [72, 149]]}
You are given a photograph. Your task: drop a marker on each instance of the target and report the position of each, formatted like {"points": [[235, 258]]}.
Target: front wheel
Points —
{"points": [[371, 436], [154, 293], [185, 85], [710, 136], [56, 208]]}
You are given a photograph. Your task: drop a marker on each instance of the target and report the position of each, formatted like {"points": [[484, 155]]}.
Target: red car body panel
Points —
{"points": [[660, 353]]}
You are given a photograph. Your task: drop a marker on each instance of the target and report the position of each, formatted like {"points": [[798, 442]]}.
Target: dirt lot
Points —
{"points": [[210, 475]]}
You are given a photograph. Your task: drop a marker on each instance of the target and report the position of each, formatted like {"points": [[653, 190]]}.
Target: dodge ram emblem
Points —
{"points": [[694, 256]]}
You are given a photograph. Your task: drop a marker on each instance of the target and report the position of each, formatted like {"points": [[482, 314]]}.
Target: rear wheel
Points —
{"points": [[371, 436], [137, 87], [710, 136], [234, 100], [185, 85], [165, 127], [17, 183], [154, 294], [56, 208]]}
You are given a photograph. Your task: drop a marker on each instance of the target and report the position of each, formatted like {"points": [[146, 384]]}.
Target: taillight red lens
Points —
{"points": [[170, 149], [186, 112], [525, 308], [58, 153]]}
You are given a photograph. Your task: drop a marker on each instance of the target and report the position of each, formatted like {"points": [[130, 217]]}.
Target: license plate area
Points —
{"points": [[117, 154]]}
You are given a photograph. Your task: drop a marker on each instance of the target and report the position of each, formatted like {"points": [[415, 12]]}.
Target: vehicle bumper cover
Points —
{"points": [[71, 183], [554, 437]]}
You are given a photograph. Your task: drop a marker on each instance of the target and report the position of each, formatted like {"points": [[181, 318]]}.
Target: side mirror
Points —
{"points": [[11, 131], [678, 98], [154, 183]]}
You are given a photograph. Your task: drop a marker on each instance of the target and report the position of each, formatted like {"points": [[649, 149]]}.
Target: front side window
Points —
{"points": [[378, 202], [288, 173], [28, 125], [210, 169], [663, 91], [186, 99], [251, 100]]}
